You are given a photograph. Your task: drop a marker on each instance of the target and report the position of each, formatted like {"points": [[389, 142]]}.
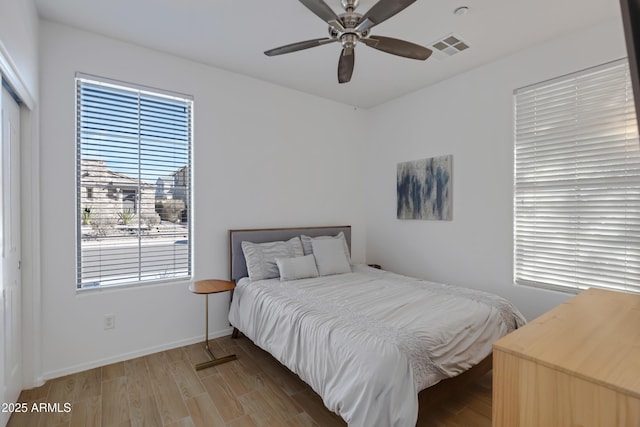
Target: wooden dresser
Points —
{"points": [[577, 365]]}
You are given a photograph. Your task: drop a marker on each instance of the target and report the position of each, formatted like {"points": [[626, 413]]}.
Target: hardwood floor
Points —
{"points": [[163, 389]]}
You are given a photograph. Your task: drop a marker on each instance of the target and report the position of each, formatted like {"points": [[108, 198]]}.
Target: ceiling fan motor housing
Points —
{"points": [[349, 21], [350, 4]]}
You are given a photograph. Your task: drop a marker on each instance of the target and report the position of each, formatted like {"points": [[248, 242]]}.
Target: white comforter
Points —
{"points": [[369, 341]]}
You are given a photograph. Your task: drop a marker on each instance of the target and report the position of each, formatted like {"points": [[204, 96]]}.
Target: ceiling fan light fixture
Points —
{"points": [[349, 40]]}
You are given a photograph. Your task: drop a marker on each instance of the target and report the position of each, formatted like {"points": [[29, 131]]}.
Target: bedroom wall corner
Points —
{"points": [[262, 158], [469, 116], [19, 35]]}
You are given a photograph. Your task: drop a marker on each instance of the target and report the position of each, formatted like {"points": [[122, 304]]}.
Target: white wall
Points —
{"points": [[264, 156], [19, 35], [469, 116]]}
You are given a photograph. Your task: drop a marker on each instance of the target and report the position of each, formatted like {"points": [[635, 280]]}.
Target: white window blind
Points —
{"points": [[133, 184], [577, 182]]}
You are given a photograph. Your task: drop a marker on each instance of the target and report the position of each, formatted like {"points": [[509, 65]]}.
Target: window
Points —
{"points": [[577, 182], [133, 184]]}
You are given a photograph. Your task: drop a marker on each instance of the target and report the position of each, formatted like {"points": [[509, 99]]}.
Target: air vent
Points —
{"points": [[448, 46]]}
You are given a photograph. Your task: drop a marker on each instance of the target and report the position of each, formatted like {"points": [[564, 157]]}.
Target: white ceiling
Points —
{"points": [[233, 34]]}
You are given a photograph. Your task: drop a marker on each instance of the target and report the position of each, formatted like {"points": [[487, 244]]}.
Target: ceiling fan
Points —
{"points": [[350, 28]]}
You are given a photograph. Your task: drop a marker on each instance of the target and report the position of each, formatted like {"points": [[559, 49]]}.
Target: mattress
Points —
{"points": [[368, 341]]}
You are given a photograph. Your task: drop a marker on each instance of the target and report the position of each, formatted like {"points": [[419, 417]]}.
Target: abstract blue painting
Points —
{"points": [[424, 189]]}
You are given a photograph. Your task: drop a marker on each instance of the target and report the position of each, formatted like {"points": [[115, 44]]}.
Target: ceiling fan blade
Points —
{"points": [[381, 11], [398, 47], [321, 9], [294, 47], [345, 65]]}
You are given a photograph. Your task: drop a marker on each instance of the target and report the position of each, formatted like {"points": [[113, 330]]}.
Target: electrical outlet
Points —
{"points": [[109, 321]]}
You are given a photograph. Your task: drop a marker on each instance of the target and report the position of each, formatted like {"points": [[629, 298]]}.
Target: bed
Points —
{"points": [[371, 343]]}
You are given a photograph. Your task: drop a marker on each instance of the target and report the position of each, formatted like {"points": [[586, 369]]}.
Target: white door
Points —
{"points": [[10, 324]]}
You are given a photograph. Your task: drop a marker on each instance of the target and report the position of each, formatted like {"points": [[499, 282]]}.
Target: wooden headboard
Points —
{"points": [[237, 263]]}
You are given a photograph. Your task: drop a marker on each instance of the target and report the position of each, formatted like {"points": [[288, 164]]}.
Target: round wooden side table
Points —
{"points": [[207, 287]]}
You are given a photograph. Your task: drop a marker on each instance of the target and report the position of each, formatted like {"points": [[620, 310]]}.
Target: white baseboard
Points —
{"points": [[132, 355]]}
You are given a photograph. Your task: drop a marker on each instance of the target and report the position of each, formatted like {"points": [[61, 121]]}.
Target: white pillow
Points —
{"points": [[301, 267], [308, 249], [261, 257], [330, 256]]}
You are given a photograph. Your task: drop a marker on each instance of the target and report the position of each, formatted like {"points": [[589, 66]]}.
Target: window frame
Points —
{"points": [[141, 91]]}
